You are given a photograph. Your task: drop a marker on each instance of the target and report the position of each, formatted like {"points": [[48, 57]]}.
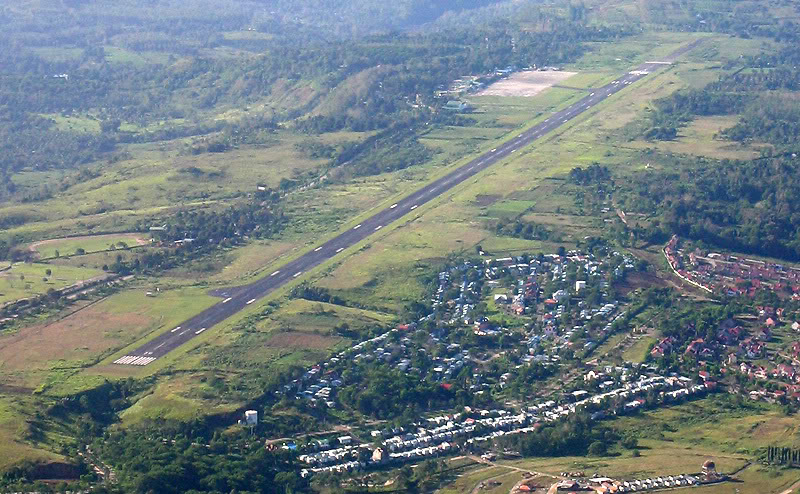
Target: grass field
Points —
{"points": [[12, 429], [23, 280], [638, 351], [47, 354], [93, 243]]}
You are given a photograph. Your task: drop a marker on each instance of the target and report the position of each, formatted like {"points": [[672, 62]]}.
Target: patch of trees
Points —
{"points": [[308, 291], [367, 84], [772, 118], [669, 114], [386, 393], [524, 229], [739, 206], [594, 173], [151, 459], [189, 234], [573, 437]]}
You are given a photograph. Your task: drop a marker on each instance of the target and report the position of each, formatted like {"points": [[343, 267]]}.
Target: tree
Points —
{"points": [[598, 448]]}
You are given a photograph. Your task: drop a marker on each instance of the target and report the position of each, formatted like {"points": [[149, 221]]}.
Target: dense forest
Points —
{"points": [[742, 206]]}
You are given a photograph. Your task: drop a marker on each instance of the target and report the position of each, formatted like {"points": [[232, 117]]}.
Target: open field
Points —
{"points": [[468, 481], [36, 355], [526, 84], [23, 280], [12, 429], [89, 243]]}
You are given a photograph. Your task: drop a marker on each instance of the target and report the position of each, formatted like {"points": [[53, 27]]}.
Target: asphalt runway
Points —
{"points": [[236, 299]]}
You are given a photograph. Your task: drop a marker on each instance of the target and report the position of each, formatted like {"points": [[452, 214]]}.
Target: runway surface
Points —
{"points": [[236, 299]]}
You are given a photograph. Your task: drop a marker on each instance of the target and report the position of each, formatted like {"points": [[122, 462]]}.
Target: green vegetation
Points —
{"points": [[257, 133]]}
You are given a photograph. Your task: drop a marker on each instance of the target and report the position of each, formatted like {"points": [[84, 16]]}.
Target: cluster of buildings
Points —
{"points": [[542, 291], [442, 435], [605, 485], [730, 275], [473, 83]]}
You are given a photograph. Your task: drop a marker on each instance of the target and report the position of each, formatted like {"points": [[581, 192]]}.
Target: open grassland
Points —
{"points": [[700, 138], [638, 351], [24, 280], [177, 398], [468, 481], [308, 316], [12, 429], [47, 354], [160, 178], [89, 243]]}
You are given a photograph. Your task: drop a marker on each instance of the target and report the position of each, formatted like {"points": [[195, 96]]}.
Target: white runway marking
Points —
{"points": [[250, 301], [276, 272], [393, 206], [357, 227], [339, 249], [318, 249], [199, 330], [227, 300], [297, 274], [378, 227], [415, 206], [175, 329]]}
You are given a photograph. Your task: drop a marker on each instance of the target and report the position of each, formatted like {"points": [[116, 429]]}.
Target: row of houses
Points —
{"points": [[479, 426]]}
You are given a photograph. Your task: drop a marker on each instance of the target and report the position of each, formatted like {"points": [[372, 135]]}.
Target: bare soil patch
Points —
{"points": [[526, 84], [636, 280], [298, 339]]}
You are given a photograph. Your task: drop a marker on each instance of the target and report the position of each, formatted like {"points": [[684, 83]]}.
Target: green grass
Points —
{"points": [[97, 243], [117, 55], [82, 124], [28, 279], [638, 351], [58, 54], [466, 482], [12, 429]]}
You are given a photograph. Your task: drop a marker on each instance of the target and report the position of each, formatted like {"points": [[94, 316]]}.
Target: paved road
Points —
{"points": [[236, 299]]}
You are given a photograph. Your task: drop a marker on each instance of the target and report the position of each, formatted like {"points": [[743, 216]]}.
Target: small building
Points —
{"points": [[457, 106], [580, 285], [251, 417]]}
